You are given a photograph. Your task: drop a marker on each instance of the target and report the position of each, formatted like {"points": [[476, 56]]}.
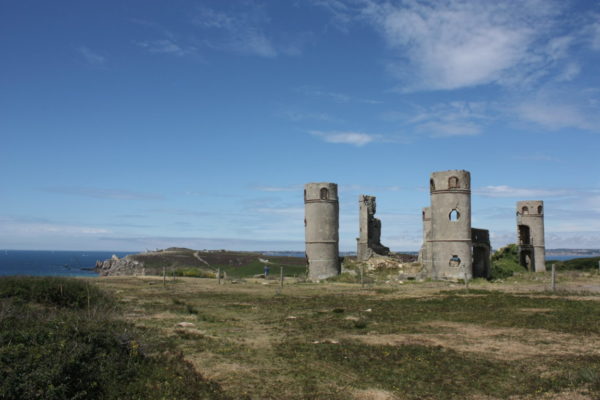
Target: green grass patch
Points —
{"points": [[257, 268], [580, 264]]}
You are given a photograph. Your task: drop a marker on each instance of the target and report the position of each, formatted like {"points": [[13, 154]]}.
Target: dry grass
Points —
{"points": [[337, 341]]}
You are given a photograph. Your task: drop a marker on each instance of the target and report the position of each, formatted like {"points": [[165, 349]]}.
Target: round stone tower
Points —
{"points": [[321, 227], [530, 230], [451, 224]]}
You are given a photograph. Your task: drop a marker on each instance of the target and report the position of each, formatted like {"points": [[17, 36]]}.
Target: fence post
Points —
{"points": [[219, 275], [164, 277], [281, 276], [553, 277], [466, 281]]}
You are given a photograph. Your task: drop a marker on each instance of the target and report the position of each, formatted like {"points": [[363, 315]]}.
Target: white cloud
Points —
{"points": [[463, 43], [90, 56], [353, 138]]}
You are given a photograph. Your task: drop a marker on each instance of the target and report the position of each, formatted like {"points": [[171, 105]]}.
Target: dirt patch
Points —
{"points": [[535, 310], [373, 394], [498, 343]]}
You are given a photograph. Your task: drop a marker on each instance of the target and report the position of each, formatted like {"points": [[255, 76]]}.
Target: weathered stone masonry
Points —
{"points": [[321, 228], [369, 240], [530, 235]]}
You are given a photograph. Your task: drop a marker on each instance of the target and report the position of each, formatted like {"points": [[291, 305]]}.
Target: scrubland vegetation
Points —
{"points": [[188, 338]]}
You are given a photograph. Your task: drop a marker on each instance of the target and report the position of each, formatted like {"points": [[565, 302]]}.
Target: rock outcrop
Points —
{"points": [[116, 266]]}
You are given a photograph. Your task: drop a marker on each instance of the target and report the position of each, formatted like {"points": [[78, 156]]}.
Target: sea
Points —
{"points": [[52, 263]]}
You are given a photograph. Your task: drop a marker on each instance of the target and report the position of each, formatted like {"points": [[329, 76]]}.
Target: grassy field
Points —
{"points": [[433, 340]]}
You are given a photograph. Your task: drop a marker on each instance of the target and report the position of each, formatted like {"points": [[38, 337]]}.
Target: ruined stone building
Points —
{"points": [[369, 240], [321, 229], [451, 247], [530, 231]]}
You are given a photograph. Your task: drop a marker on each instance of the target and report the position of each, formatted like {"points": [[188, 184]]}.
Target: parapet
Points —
{"points": [[320, 191], [530, 208], [454, 180]]}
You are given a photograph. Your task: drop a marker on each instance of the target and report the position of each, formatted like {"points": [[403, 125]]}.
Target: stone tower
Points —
{"points": [[451, 224], [369, 241], [321, 227], [425, 252], [530, 230]]}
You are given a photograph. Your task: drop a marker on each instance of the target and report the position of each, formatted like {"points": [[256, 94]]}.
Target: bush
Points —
{"points": [[505, 262], [54, 291], [51, 348]]}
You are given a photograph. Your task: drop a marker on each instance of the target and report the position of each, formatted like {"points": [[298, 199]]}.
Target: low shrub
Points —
{"points": [[51, 347]]}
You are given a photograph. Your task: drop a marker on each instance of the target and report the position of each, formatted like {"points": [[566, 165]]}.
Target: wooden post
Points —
{"points": [[466, 281], [219, 275], [164, 277], [173, 275], [281, 276], [553, 277], [599, 266]]}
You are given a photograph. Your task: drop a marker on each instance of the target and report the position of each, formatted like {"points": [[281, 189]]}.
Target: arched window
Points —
{"points": [[453, 182], [423, 215], [525, 210], [304, 194], [431, 185], [540, 209], [454, 215], [324, 194]]}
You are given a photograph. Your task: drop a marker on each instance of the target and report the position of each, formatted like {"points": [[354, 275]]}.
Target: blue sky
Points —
{"points": [[127, 125]]}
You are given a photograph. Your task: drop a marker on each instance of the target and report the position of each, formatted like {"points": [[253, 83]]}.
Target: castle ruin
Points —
{"points": [[530, 232], [451, 248], [369, 240], [321, 229]]}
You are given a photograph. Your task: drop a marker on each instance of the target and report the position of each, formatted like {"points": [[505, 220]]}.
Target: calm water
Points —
{"points": [[63, 263]]}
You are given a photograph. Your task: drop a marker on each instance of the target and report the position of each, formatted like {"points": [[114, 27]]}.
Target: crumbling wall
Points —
{"points": [[369, 240]]}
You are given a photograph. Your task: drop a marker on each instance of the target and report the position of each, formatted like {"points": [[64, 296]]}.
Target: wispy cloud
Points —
{"points": [[536, 157], [90, 56], [357, 139], [297, 116], [520, 193], [99, 193], [336, 96], [166, 46], [241, 32], [32, 227], [457, 118], [561, 109], [463, 43], [291, 188]]}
